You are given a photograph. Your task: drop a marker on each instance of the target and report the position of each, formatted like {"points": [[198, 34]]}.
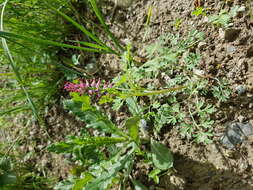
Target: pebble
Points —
{"points": [[241, 90], [221, 33], [91, 68], [205, 19], [202, 45], [246, 129], [144, 125], [231, 49], [235, 134], [241, 118], [199, 72]]}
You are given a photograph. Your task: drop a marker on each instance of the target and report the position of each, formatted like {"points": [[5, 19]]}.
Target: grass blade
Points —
{"points": [[46, 42], [91, 45], [16, 109], [79, 26], [84, 30], [16, 72], [102, 21]]}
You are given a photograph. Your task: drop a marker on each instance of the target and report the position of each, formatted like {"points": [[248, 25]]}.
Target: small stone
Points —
{"points": [[249, 52], [231, 34], [91, 68], [205, 19], [226, 142], [241, 90], [241, 118], [241, 9], [221, 33], [231, 49], [144, 124], [198, 72], [235, 134], [40, 147], [67, 156], [232, 136], [246, 128], [202, 45]]}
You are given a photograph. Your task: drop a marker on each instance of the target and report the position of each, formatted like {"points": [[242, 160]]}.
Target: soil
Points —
{"points": [[224, 53]]}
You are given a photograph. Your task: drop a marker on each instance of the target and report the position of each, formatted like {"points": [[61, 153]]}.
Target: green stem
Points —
{"points": [[154, 92]]}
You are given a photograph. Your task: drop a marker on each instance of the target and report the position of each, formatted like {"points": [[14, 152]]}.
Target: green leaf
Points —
{"points": [[16, 70], [5, 164], [81, 28], [93, 118], [84, 99], [7, 178], [154, 172], [66, 184], [102, 21], [117, 103], [83, 142], [133, 106], [161, 156], [103, 181], [138, 185], [154, 175], [45, 42], [132, 124], [80, 183]]}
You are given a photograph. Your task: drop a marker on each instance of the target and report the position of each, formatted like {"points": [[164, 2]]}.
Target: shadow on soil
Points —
{"points": [[193, 175]]}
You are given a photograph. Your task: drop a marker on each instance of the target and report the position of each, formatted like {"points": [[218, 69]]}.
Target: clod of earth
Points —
{"points": [[231, 34]]}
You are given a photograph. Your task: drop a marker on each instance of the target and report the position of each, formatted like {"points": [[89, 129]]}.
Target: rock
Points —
{"points": [[241, 90], [247, 129], [205, 20], [231, 34], [249, 52], [241, 9], [235, 134], [241, 118], [221, 33], [144, 124], [231, 49], [202, 45], [198, 72], [226, 142], [91, 68]]}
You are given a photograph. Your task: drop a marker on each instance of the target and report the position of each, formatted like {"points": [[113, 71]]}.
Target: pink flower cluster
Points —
{"points": [[91, 87]]}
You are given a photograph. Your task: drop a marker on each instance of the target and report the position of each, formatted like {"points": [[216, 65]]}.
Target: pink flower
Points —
{"points": [[90, 87]]}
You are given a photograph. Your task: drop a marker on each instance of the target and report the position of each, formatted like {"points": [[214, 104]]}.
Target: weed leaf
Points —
{"points": [[132, 124], [161, 156], [138, 185]]}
